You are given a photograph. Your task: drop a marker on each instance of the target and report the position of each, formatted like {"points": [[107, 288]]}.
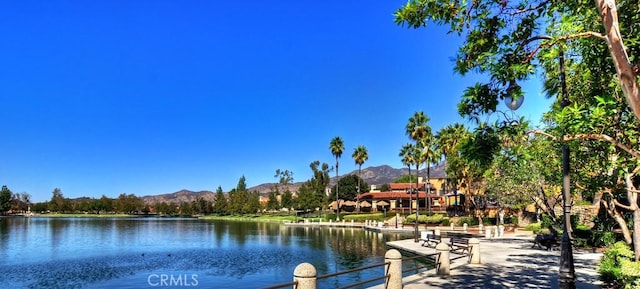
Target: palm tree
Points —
{"points": [[418, 128], [419, 131], [447, 141], [408, 154], [337, 147], [360, 155], [431, 156]]}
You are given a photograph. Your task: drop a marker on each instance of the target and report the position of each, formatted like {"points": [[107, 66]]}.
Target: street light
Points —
{"points": [[566, 278]]}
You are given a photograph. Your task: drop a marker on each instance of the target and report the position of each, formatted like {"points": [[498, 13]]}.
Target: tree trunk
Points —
{"points": [[626, 74], [636, 234], [613, 213]]}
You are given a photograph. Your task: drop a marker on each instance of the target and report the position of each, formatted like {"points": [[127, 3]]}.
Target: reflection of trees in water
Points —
{"points": [[352, 246]]}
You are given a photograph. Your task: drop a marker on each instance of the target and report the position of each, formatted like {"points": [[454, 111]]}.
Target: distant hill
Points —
{"points": [[378, 175], [179, 197], [386, 174]]}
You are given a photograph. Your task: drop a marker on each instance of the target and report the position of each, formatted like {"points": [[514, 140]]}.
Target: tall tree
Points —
{"points": [[220, 202], [337, 147], [239, 198], [106, 203], [494, 28], [360, 155], [285, 178], [272, 203], [58, 202], [418, 130], [448, 140], [351, 184], [5, 199], [408, 154], [601, 86], [311, 194]]}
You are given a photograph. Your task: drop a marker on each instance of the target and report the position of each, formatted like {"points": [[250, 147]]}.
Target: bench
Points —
{"points": [[459, 245], [547, 241], [430, 240]]}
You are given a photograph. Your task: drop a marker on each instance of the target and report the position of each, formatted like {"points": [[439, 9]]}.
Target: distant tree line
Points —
{"points": [[14, 202], [311, 195]]}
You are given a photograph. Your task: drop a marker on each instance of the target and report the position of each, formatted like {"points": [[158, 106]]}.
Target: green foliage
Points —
{"points": [[364, 217], [129, 204], [404, 179], [272, 203], [5, 199], [287, 199], [446, 222], [220, 206], [470, 221], [424, 219], [349, 187], [332, 216], [499, 44], [605, 238], [617, 266], [311, 193], [547, 221], [534, 227], [360, 155], [242, 201]]}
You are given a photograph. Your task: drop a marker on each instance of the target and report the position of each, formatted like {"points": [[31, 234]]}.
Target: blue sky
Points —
{"points": [[150, 97]]}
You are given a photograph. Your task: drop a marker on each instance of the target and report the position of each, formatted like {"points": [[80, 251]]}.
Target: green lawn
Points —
{"points": [[55, 215]]}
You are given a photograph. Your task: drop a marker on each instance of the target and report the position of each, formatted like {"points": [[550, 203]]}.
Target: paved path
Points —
{"points": [[507, 262]]}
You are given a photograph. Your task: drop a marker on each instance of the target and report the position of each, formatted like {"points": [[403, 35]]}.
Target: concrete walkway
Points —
{"points": [[507, 262]]}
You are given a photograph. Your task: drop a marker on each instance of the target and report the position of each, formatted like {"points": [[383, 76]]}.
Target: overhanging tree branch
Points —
{"points": [[535, 131], [564, 38], [626, 74], [607, 138]]}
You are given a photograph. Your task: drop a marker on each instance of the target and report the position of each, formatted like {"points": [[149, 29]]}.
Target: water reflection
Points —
{"points": [[122, 253]]}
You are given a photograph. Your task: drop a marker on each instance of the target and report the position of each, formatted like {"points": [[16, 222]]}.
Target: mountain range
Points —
{"points": [[377, 175]]}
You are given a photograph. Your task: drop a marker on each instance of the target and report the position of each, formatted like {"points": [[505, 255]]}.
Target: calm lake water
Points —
{"points": [[177, 253]]}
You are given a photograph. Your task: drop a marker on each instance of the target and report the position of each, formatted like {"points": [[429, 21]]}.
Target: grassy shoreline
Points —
{"points": [[65, 215], [253, 218]]}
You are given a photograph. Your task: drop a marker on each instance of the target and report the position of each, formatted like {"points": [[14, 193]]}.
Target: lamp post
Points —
{"points": [[566, 277], [415, 227]]}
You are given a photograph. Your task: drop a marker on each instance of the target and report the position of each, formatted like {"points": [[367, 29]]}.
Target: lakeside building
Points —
{"points": [[409, 196]]}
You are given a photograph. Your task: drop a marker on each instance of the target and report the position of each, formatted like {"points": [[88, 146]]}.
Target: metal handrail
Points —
{"points": [[341, 273], [431, 257], [294, 283], [357, 270], [365, 282], [426, 256]]}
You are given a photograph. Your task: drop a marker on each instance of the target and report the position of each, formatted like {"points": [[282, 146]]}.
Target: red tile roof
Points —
{"points": [[395, 195]]}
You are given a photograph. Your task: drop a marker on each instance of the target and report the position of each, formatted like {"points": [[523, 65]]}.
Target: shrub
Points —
{"points": [[546, 221], [471, 221], [364, 217], [446, 222], [604, 238], [433, 219], [423, 219], [486, 221], [534, 227], [512, 220], [617, 265]]}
